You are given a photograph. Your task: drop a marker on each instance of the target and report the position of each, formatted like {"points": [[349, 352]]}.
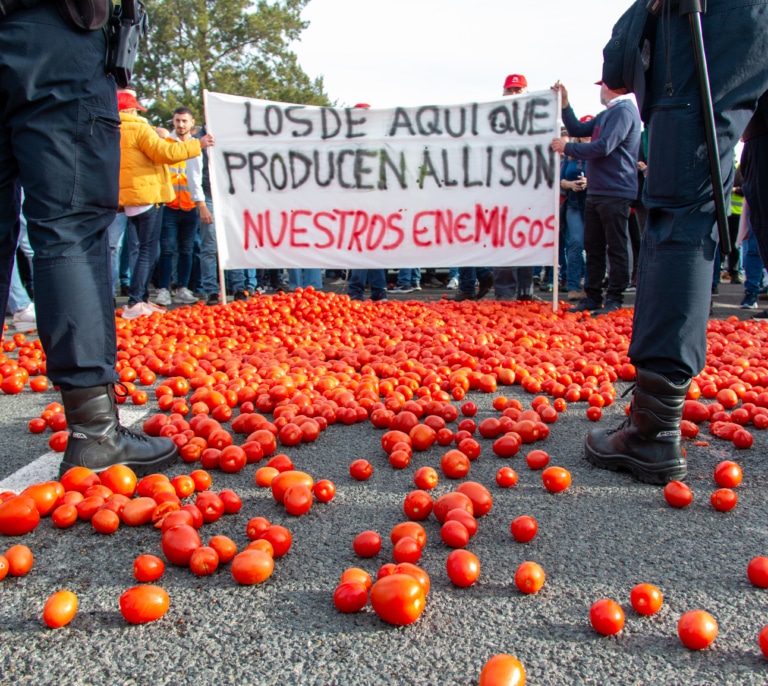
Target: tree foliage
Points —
{"points": [[230, 46]]}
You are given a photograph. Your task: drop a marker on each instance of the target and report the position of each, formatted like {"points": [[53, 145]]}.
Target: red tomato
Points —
{"points": [[252, 567], [105, 521], [697, 629], [351, 596], [407, 549], [360, 470], [556, 479], [142, 604], [481, 498], [490, 427], [537, 459], [529, 577], [742, 439], [724, 499], [225, 547], [232, 502], [425, 478], [418, 505], [20, 560], [502, 670], [454, 464], [454, 534], [297, 499], [757, 571], [324, 491], [762, 641], [398, 599], [469, 409], [412, 530], [18, 516], [422, 436], [695, 411], [359, 576], [606, 616], [524, 528], [46, 496], [64, 516], [459, 515], [202, 479], [204, 561], [210, 505], [507, 445], [120, 479], [367, 544], [506, 477], [178, 544], [60, 609], [447, 502], [280, 538], [148, 568], [283, 481], [728, 474], [256, 527], [232, 459], [677, 494], [594, 414], [646, 599], [463, 568]]}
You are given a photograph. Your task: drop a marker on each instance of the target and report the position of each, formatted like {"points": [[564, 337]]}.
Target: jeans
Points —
{"points": [[510, 282], [303, 278], [407, 278], [116, 232], [575, 249], [177, 236], [18, 298], [453, 273], [208, 264], [753, 265], [358, 279], [469, 275], [147, 227], [606, 233], [678, 244], [60, 140]]}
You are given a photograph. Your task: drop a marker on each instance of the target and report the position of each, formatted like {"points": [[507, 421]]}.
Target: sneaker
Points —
{"points": [[715, 289], [611, 306], [163, 297], [151, 308], [586, 304], [736, 278], [241, 295], [453, 284], [402, 289], [184, 296], [575, 296], [339, 282], [24, 320], [546, 288], [135, 311], [749, 302], [416, 287], [461, 296], [630, 289], [212, 299], [431, 282]]}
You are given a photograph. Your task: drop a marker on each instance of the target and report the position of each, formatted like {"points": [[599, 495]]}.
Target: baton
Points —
{"points": [[694, 9]]}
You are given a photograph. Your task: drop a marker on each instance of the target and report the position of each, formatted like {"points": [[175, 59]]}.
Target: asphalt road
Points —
{"points": [[598, 539]]}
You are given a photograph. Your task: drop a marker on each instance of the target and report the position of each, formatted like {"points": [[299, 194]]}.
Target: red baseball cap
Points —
{"points": [[586, 117], [362, 106], [515, 81], [127, 101]]}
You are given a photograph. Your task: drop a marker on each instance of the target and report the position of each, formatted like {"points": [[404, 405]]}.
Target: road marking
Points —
{"points": [[46, 467]]}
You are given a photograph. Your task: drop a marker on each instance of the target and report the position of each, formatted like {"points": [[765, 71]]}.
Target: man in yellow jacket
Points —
{"points": [[145, 184]]}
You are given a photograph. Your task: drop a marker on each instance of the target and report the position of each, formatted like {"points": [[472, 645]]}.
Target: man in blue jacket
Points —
{"points": [[612, 171]]}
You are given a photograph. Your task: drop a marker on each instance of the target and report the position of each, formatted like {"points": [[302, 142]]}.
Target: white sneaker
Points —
{"points": [[135, 311], [152, 308], [184, 296], [416, 287], [402, 289], [163, 297], [453, 284], [24, 320]]}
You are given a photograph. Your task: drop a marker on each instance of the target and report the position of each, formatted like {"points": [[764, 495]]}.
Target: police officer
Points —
{"points": [[60, 141], [669, 341]]}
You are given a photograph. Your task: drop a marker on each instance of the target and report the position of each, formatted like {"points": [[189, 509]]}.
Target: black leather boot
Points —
{"points": [[647, 442], [97, 440]]}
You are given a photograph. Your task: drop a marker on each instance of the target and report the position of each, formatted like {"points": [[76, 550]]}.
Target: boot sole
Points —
{"points": [[140, 469], [660, 474]]}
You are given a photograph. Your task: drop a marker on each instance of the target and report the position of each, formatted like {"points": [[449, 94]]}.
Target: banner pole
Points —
{"points": [[556, 248]]}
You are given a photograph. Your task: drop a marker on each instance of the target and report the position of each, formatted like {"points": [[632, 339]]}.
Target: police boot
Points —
{"points": [[647, 442], [97, 440]]}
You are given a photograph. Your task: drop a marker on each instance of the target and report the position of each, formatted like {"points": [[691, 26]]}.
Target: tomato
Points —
{"points": [[46, 496], [18, 516], [232, 502], [64, 516], [646, 599], [350, 596], [204, 561], [367, 544], [148, 568], [556, 479], [418, 505], [398, 599], [233, 458], [506, 477], [58, 441], [677, 494], [324, 491], [697, 629], [37, 425], [742, 439], [490, 427], [524, 528], [537, 459], [197, 516], [757, 571], [256, 527], [280, 538], [265, 475], [447, 502], [688, 429], [507, 445], [412, 530], [252, 567], [425, 478], [469, 409], [481, 498], [422, 436], [297, 499], [105, 521], [762, 641], [183, 485], [120, 479], [399, 459], [454, 464], [360, 470], [724, 499], [528, 430], [606, 616], [728, 474], [358, 575], [20, 560], [225, 547], [407, 549], [594, 414], [79, 479], [695, 411], [60, 609], [138, 511], [463, 568], [178, 544], [142, 604], [283, 481], [454, 534], [502, 670], [202, 479], [210, 505], [529, 577]]}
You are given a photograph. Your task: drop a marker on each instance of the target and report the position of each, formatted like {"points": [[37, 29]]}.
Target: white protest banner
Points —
{"points": [[439, 186]]}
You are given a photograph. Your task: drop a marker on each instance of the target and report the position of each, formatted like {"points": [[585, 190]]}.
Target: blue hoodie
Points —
{"points": [[612, 154]]}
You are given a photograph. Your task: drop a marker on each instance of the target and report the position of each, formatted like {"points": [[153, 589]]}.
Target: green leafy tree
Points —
{"points": [[230, 46]]}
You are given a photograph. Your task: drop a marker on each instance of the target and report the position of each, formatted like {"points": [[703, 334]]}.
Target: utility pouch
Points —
{"points": [[128, 25]]}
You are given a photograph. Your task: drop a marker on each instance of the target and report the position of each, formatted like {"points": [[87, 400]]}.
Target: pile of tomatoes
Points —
{"points": [[234, 384]]}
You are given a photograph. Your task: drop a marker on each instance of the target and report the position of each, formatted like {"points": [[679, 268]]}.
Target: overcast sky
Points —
{"points": [[419, 52]]}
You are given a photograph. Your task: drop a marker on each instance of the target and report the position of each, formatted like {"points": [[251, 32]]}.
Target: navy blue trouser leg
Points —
{"points": [[678, 245], [60, 138]]}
